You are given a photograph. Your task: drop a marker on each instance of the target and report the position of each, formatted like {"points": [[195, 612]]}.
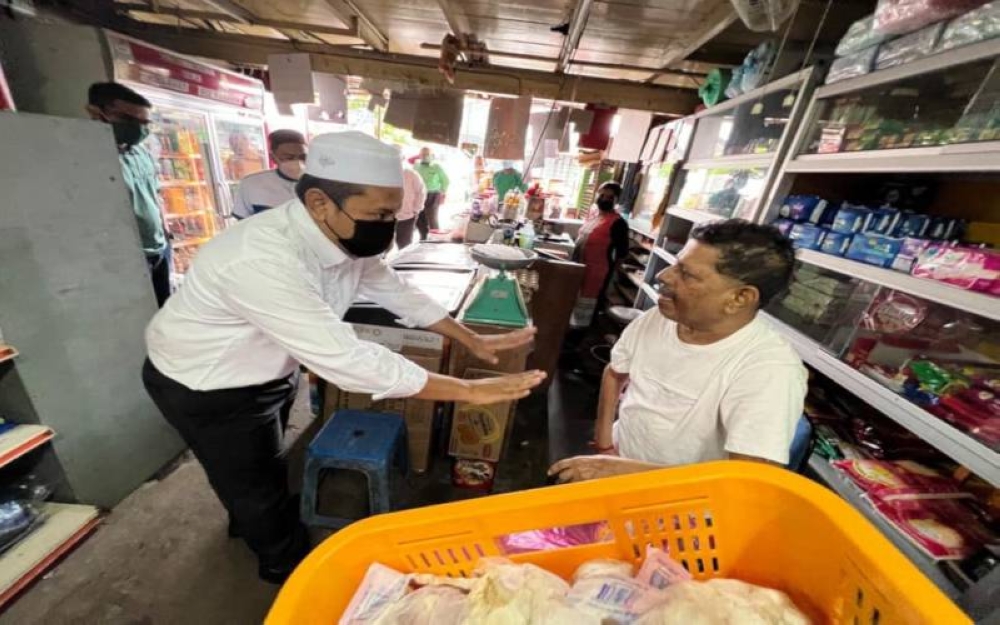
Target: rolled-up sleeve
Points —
{"points": [[383, 286], [284, 304]]}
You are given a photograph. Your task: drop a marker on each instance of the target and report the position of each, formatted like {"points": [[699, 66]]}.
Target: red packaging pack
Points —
{"points": [[885, 480], [944, 529]]}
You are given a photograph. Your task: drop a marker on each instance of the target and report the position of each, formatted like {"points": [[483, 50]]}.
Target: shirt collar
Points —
{"points": [[324, 249]]}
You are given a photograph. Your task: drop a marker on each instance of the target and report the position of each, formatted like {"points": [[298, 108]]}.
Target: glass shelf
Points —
{"points": [[724, 192]]}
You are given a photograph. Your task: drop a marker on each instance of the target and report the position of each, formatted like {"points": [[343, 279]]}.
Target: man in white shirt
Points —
{"points": [[266, 189], [269, 293], [414, 196], [707, 378]]}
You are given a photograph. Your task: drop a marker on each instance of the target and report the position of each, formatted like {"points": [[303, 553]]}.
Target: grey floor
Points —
{"points": [[162, 556]]}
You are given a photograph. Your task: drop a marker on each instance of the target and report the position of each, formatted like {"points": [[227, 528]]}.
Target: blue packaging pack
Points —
{"points": [[807, 236], [806, 208], [912, 225], [882, 221], [849, 219], [836, 243], [944, 228], [874, 249]]}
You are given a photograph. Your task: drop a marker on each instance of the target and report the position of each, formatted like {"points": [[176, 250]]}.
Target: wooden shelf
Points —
{"points": [[22, 439], [970, 301], [64, 527]]}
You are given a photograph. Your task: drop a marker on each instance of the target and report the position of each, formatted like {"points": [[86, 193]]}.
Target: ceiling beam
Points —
{"points": [[225, 17], [232, 9], [717, 21], [420, 71], [349, 13], [577, 24], [456, 18], [581, 64]]}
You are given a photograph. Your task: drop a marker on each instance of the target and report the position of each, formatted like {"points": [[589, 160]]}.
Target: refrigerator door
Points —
{"points": [[241, 149], [179, 143]]}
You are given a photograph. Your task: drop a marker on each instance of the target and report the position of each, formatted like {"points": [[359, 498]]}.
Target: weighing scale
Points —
{"points": [[497, 300]]}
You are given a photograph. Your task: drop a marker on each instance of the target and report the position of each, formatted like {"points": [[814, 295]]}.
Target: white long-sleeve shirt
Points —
{"points": [[271, 292], [414, 195]]}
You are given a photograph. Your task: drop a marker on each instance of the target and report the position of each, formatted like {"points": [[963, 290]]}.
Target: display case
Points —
{"points": [[180, 145], [242, 148]]}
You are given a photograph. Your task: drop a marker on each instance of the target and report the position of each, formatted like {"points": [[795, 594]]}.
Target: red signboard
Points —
{"points": [[6, 100], [148, 65]]}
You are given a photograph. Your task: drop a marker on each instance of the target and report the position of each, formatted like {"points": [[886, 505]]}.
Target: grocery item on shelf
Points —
{"points": [[976, 25], [909, 48], [853, 65], [909, 251], [836, 243], [849, 219], [891, 480], [860, 36], [873, 249], [971, 268], [897, 17], [499, 590], [806, 236], [808, 208], [944, 529]]}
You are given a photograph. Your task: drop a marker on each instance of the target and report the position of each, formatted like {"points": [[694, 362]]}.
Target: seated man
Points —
{"points": [[707, 379]]}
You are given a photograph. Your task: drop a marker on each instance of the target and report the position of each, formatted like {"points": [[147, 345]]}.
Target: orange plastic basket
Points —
{"points": [[742, 520]]}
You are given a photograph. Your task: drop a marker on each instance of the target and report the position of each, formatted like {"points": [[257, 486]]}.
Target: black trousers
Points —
{"points": [[427, 220], [404, 232], [236, 435], [159, 271]]}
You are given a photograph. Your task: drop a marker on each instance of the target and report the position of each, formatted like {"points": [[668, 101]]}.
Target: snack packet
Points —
{"points": [[380, 588]]}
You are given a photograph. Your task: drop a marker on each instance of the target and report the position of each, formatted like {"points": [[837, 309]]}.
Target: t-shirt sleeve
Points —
{"points": [[761, 408], [241, 208], [623, 352]]}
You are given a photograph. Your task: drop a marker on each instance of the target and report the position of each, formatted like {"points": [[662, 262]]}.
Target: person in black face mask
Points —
{"points": [[600, 246], [270, 293], [128, 113]]}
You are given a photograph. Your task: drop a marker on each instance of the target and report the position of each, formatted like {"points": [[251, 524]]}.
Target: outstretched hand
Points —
{"points": [[504, 388], [486, 346]]}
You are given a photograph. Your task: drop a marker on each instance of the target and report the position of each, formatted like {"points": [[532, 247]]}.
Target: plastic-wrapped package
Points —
{"points": [[603, 568], [908, 48], [756, 66], [514, 593], [976, 25], [888, 481], [735, 86], [431, 605], [970, 268], [723, 601], [556, 538], [852, 65], [860, 35], [17, 519], [943, 529], [381, 588], [897, 17]]}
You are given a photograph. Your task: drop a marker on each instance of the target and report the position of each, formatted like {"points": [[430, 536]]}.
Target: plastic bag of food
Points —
{"points": [[860, 35], [897, 17], [723, 601], [970, 268], [897, 480], [856, 64], [943, 529], [431, 605], [517, 593], [380, 589], [659, 570], [603, 569], [976, 25], [908, 48]]}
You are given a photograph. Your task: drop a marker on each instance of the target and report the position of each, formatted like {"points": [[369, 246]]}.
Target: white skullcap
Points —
{"points": [[356, 158]]}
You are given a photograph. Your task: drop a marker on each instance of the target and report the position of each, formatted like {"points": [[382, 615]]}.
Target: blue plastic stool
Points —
{"points": [[352, 440]]}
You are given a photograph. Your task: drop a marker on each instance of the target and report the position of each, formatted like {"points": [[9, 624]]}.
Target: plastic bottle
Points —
{"points": [[528, 236]]}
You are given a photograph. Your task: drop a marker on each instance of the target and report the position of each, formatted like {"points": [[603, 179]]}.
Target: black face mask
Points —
{"points": [[129, 133], [606, 205], [371, 237]]}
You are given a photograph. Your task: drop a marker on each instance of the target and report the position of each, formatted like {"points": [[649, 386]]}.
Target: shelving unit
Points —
{"points": [[948, 440], [694, 216], [64, 526]]}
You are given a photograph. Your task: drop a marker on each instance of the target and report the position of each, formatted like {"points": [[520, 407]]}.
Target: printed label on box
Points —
{"points": [[398, 338]]}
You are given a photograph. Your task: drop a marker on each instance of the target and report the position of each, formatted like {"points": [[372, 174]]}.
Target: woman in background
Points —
{"points": [[600, 246]]}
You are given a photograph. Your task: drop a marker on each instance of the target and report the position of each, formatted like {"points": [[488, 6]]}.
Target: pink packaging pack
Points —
{"points": [[898, 17], [970, 268]]}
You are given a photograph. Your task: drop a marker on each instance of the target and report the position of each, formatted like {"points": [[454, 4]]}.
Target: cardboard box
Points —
{"points": [[511, 361], [479, 432], [421, 347]]}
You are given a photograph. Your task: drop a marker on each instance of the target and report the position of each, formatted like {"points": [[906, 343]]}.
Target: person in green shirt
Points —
{"points": [[507, 179], [436, 181], [128, 113]]}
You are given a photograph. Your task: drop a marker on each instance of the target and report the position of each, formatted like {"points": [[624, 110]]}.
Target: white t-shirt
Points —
{"points": [[695, 403], [261, 191]]}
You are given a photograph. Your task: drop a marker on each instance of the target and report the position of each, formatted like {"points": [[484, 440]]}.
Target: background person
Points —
{"points": [[264, 297], [128, 113], [414, 196], [436, 181], [600, 246], [708, 379], [507, 179], [266, 189]]}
